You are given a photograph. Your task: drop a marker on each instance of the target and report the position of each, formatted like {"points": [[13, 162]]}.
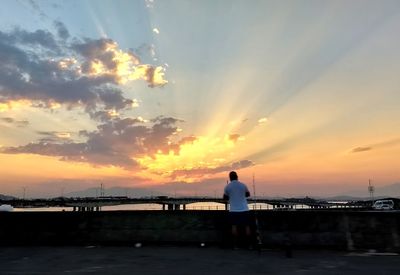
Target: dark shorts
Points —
{"points": [[241, 218]]}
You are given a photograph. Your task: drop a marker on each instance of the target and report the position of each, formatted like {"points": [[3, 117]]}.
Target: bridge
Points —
{"points": [[177, 203]]}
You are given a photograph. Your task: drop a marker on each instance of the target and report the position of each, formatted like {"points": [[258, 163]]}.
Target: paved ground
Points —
{"points": [[188, 261]]}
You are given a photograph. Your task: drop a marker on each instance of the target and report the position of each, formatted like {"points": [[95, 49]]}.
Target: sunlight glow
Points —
{"points": [[202, 153], [262, 120], [63, 135], [14, 105]]}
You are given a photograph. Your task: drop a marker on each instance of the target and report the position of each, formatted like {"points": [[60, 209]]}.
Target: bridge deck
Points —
{"points": [[107, 201]]}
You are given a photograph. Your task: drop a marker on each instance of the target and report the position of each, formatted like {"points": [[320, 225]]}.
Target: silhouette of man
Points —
{"points": [[237, 192]]}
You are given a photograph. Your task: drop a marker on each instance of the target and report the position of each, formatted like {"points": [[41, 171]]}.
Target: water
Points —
{"points": [[43, 209], [147, 206], [205, 206], [151, 206], [120, 207]]}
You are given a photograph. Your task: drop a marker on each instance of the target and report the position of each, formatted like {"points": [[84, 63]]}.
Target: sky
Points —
{"points": [[172, 95]]}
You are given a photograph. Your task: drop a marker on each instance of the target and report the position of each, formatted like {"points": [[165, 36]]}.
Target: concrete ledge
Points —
{"points": [[329, 229]]}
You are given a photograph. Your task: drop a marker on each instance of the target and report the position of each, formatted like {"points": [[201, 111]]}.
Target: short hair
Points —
{"points": [[233, 175]]}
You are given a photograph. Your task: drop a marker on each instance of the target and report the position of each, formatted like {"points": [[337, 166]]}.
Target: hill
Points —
{"points": [[392, 190], [6, 198]]}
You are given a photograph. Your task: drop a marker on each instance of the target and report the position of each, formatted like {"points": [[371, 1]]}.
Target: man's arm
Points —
{"points": [[247, 192], [226, 196]]}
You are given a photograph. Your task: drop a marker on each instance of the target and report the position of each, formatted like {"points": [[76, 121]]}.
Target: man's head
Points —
{"points": [[233, 176]]}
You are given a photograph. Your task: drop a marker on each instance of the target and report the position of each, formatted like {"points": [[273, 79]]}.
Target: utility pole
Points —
{"points": [[101, 190], [254, 192], [371, 190], [24, 192]]}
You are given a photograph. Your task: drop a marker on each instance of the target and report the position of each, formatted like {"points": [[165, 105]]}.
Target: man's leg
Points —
{"points": [[249, 237], [235, 235], [248, 231]]}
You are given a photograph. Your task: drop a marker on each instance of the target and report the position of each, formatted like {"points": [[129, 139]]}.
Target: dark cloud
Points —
{"points": [[7, 119], [102, 116], [361, 149], [21, 123], [162, 129], [18, 123], [46, 133], [114, 99], [38, 67], [234, 137], [242, 164], [25, 74], [187, 140], [150, 72], [200, 172], [54, 137], [104, 52], [378, 145], [47, 70], [97, 49], [79, 152], [117, 142], [62, 31], [35, 6]]}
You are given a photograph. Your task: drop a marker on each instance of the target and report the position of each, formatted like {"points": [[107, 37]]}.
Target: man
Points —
{"points": [[239, 214]]}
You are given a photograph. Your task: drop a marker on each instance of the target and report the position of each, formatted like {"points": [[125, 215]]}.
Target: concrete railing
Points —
{"points": [[329, 229]]}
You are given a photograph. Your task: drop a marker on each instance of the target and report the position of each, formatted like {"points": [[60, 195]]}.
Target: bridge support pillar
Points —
{"points": [[163, 206], [177, 206], [184, 206], [170, 207]]}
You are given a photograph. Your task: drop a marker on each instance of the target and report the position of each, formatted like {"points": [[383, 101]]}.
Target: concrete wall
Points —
{"points": [[329, 229]]}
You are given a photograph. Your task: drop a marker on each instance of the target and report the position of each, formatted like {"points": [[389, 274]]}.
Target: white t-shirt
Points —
{"points": [[236, 191]]}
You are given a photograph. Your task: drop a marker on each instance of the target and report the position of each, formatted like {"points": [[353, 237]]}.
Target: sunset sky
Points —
{"points": [[172, 95]]}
